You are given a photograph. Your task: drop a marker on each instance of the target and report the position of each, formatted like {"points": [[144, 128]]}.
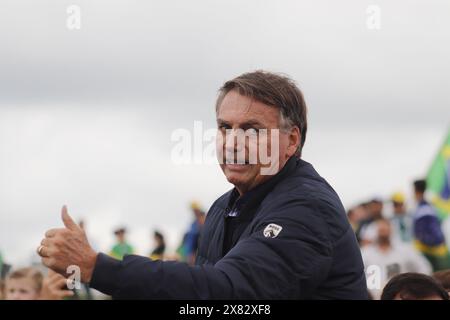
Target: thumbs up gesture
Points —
{"points": [[66, 247]]}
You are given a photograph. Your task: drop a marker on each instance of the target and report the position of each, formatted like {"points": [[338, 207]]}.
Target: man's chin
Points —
{"points": [[237, 168], [236, 176]]}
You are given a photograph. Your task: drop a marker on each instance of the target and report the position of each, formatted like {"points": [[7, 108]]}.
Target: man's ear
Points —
{"points": [[294, 141]]}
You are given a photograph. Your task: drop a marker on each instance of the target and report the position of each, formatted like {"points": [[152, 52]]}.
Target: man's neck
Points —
{"points": [[420, 198]]}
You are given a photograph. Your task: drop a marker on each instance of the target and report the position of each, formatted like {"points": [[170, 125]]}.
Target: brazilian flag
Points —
{"points": [[438, 180]]}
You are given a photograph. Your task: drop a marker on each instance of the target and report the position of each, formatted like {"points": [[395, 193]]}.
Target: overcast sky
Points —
{"points": [[86, 116]]}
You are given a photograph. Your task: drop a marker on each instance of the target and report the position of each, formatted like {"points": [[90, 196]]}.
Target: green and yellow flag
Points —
{"points": [[438, 180]]}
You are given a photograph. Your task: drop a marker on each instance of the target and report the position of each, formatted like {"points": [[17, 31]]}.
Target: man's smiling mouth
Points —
{"points": [[235, 162]]}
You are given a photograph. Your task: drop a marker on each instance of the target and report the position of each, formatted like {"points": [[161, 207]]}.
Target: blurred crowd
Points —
{"points": [[404, 245], [403, 248]]}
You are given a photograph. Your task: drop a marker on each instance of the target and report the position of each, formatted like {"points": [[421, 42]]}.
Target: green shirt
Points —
{"points": [[121, 249]]}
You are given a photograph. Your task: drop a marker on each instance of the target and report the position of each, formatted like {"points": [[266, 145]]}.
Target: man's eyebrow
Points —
{"points": [[251, 122], [220, 121]]}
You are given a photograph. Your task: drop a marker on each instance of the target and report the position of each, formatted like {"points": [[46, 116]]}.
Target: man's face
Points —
{"points": [[376, 209], [360, 213], [120, 237], [240, 112], [399, 208], [20, 289], [418, 195], [384, 231]]}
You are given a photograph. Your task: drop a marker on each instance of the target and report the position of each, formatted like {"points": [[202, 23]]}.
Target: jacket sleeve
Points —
{"points": [[290, 265]]}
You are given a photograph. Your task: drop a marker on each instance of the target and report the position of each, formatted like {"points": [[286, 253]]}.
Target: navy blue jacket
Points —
{"points": [[294, 243]]}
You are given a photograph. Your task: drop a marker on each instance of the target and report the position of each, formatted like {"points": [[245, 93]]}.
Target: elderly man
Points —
{"points": [[280, 233]]}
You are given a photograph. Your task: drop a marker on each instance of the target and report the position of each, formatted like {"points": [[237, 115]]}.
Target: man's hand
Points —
{"points": [[68, 246], [54, 287]]}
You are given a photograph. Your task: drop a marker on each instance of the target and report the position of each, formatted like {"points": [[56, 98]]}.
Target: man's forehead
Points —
{"points": [[236, 107]]}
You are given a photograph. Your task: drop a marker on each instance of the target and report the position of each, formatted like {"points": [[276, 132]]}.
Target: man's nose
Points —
{"points": [[234, 141]]}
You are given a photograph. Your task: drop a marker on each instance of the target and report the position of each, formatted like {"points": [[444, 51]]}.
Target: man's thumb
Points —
{"points": [[68, 222]]}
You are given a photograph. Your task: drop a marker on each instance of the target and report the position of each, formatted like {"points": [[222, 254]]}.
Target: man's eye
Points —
{"points": [[252, 131]]}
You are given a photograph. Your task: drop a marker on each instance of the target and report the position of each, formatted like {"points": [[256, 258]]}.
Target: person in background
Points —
{"points": [[367, 232], [1, 264], [23, 284], [413, 286], [29, 284], [180, 253], [401, 221], [443, 277], [160, 246], [54, 287], [428, 236], [121, 248], [391, 257], [188, 248], [356, 215], [4, 267]]}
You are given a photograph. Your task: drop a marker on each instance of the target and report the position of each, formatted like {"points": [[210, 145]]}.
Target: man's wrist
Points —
{"points": [[106, 274], [91, 261]]}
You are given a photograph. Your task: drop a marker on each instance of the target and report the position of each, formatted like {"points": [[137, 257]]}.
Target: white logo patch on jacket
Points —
{"points": [[272, 230]]}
